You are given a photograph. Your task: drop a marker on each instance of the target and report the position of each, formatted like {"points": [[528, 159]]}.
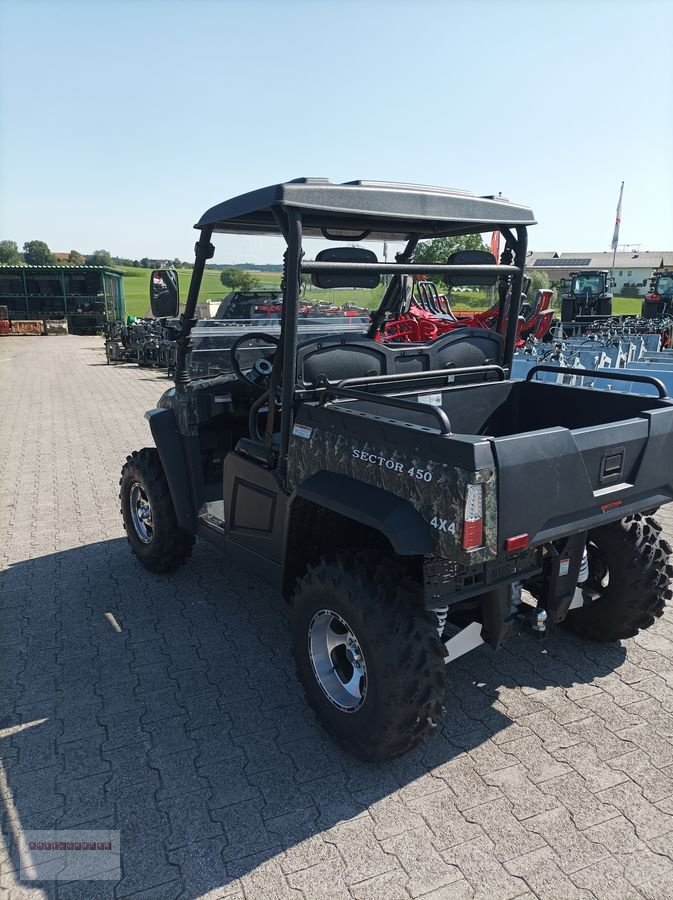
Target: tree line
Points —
{"points": [[37, 253]]}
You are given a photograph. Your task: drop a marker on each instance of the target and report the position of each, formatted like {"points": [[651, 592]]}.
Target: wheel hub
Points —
{"points": [[337, 660], [141, 513]]}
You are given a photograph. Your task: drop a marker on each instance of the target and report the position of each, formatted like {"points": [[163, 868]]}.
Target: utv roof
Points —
{"points": [[368, 210]]}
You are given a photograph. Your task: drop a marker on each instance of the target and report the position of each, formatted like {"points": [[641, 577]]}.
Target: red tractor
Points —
{"points": [[659, 302]]}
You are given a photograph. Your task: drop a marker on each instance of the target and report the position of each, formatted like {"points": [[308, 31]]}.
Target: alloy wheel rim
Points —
{"points": [[141, 513], [337, 660]]}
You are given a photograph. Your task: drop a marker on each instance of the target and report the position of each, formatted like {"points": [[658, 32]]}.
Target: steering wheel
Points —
{"points": [[258, 376]]}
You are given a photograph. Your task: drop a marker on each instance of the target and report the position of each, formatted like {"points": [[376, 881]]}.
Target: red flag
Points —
{"points": [[495, 245]]}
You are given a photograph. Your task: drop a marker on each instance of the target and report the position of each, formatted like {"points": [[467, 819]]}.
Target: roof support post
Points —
{"points": [[289, 336], [515, 298], [204, 251]]}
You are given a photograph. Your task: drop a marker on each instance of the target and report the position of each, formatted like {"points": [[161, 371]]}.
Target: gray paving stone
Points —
{"points": [[573, 738], [606, 879], [389, 886], [542, 872], [423, 864], [509, 837], [486, 876], [467, 785], [584, 807], [145, 865], [85, 800], [189, 819], [526, 798], [245, 831], [203, 869], [178, 774], [573, 849], [656, 784], [539, 764], [596, 773], [648, 820], [361, 852]]}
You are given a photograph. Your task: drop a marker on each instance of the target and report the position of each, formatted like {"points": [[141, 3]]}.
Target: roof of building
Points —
{"points": [[578, 259], [379, 210]]}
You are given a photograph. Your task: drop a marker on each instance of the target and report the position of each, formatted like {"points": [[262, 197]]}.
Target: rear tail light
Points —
{"points": [[473, 524]]}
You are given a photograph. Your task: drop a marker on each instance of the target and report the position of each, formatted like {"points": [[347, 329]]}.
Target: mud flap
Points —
{"points": [[499, 609]]}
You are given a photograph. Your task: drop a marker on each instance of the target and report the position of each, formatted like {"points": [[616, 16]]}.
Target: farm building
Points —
{"points": [[632, 269], [85, 296]]}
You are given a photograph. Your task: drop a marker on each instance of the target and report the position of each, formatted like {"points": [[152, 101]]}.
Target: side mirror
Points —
{"points": [[164, 293]]}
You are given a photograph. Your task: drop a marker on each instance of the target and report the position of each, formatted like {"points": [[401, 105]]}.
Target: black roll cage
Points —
{"points": [[289, 221]]}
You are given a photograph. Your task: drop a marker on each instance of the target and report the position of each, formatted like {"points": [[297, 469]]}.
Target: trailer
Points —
{"points": [[84, 296]]}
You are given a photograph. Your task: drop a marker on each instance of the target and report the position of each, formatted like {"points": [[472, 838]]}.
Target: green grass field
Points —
{"points": [[136, 285], [137, 289]]}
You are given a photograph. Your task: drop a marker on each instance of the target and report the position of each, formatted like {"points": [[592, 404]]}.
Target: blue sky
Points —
{"points": [[122, 122]]}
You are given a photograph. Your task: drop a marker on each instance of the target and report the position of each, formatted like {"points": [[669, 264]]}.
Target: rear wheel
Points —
{"points": [[369, 657], [630, 570], [149, 517]]}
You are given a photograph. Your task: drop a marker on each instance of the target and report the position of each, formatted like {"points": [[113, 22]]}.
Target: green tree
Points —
{"points": [[37, 253], [238, 279], [437, 251], [538, 281], [75, 258], [99, 258], [248, 282], [9, 253], [231, 278]]}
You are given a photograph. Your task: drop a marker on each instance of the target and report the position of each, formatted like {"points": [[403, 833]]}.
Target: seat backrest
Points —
{"points": [[338, 357]]}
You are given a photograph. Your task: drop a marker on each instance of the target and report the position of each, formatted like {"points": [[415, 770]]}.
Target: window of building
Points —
{"points": [[621, 273], [629, 273]]}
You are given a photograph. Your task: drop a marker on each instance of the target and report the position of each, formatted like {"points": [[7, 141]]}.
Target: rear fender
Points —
{"points": [[404, 527], [164, 428]]}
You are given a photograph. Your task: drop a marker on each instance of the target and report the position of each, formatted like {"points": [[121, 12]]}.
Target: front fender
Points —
{"points": [[168, 440]]}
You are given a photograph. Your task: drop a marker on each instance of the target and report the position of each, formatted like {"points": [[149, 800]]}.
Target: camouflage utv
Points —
{"points": [[400, 495]]}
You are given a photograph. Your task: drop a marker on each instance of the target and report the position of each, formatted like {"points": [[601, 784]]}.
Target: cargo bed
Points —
{"points": [[566, 458]]}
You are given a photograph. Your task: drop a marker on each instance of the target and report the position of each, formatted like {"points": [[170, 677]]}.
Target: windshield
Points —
{"points": [[665, 286], [212, 339], [589, 285]]}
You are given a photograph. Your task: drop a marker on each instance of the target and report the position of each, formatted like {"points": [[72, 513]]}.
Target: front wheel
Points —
{"points": [[149, 517], [630, 571], [369, 657]]}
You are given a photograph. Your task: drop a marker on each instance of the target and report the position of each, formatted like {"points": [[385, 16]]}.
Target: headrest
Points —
{"points": [[346, 279], [471, 258]]}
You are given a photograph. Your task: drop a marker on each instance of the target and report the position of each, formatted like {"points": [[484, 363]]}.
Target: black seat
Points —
{"points": [[340, 356]]}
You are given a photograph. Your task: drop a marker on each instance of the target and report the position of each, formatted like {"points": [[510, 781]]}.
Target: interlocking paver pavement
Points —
{"points": [[551, 777]]}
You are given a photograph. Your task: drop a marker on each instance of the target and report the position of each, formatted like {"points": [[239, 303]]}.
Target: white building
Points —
{"points": [[631, 269]]}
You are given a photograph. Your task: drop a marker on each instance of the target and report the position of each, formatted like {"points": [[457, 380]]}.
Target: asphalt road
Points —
{"points": [[166, 708]]}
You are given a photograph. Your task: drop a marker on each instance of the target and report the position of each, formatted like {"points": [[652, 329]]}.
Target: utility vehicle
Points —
{"points": [[659, 301], [400, 495], [588, 296]]}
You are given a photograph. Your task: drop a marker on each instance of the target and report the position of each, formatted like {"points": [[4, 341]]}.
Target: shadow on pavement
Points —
{"points": [[187, 730]]}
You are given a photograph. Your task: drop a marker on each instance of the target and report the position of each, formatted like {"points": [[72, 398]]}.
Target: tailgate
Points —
{"points": [[558, 481]]}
